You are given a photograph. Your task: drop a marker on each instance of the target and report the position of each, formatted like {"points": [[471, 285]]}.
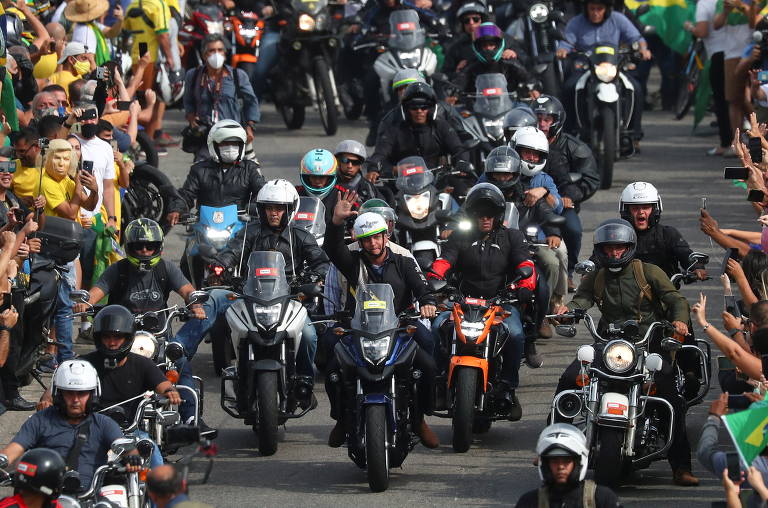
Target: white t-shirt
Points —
{"points": [[715, 42], [83, 34], [100, 152], [737, 38]]}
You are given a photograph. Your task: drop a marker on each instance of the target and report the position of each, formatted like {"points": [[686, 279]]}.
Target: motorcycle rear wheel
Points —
{"points": [[607, 146], [326, 104], [293, 116], [376, 453], [609, 462], [145, 197], [266, 429], [464, 408]]}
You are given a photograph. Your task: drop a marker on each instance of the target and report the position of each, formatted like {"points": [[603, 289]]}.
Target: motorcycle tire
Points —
{"points": [[464, 408], [148, 196], [221, 346], [147, 147], [609, 462], [326, 103], [550, 81], [376, 454], [607, 141], [293, 116], [686, 93], [266, 428]]}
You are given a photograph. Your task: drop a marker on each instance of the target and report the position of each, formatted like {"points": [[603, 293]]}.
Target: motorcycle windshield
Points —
{"points": [[374, 309], [413, 175], [511, 216], [311, 7], [604, 53], [492, 99], [405, 31], [218, 217], [266, 276], [310, 216]]}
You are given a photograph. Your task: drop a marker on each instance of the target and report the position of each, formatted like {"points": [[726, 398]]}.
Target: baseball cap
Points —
{"points": [[72, 49]]}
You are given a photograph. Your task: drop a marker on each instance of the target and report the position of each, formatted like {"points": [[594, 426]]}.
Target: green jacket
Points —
{"points": [[622, 298]]}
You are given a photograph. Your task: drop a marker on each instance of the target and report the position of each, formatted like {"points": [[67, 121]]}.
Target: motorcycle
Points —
{"points": [[625, 425], [378, 384], [604, 99], [206, 18], [245, 30], [310, 216], [266, 323], [304, 76], [474, 344], [148, 196], [418, 210]]}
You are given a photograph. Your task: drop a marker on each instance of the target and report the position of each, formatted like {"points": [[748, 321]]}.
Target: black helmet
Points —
{"points": [[519, 116], [113, 320], [503, 159], [549, 105], [143, 231], [418, 94], [608, 7], [484, 200], [40, 470], [613, 232]]}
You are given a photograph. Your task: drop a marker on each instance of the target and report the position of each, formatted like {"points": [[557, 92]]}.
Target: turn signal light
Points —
{"points": [[338, 330], [582, 380], [231, 297], [172, 376], [143, 475]]}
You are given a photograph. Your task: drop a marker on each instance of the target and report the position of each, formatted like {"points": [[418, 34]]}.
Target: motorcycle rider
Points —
{"points": [[351, 156], [562, 463], [277, 203], [76, 392], [376, 262], [620, 293], [317, 173], [38, 480], [484, 257], [226, 178], [598, 24], [519, 116], [567, 154], [419, 130]]}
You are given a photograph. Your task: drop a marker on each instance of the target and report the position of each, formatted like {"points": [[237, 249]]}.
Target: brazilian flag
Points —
{"points": [[749, 431], [668, 17]]}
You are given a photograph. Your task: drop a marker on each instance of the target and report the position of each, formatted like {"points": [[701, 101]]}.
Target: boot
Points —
{"points": [[684, 478], [516, 412], [427, 436], [545, 330], [303, 391], [338, 435], [571, 285], [532, 358]]}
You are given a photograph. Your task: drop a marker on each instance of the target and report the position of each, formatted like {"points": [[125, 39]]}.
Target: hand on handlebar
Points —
{"points": [[645, 54], [79, 307], [701, 274], [562, 53], [133, 463], [428, 311], [197, 311], [680, 327]]}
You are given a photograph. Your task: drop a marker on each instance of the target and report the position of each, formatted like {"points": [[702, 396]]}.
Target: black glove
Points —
{"points": [[524, 295], [133, 460]]}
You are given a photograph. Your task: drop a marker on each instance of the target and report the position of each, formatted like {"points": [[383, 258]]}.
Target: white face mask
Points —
{"points": [[229, 154], [216, 60]]}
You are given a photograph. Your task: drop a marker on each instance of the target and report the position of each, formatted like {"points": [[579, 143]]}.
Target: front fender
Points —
{"points": [[469, 361]]}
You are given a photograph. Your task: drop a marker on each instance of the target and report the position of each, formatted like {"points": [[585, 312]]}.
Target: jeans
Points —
{"points": [[267, 59], [513, 348], [62, 321], [572, 232]]}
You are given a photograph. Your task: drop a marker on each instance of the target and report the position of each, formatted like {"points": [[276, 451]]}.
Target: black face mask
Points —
{"points": [[88, 130]]}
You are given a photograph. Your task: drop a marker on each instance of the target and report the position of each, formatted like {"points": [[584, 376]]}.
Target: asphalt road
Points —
{"points": [[498, 468]]}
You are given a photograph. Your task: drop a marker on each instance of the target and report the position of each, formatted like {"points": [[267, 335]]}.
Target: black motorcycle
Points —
{"points": [[539, 28]]}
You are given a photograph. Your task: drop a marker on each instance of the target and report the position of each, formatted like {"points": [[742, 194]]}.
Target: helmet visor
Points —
{"points": [[614, 234]]}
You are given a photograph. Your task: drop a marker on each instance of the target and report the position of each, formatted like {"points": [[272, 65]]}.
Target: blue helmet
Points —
{"points": [[318, 162]]}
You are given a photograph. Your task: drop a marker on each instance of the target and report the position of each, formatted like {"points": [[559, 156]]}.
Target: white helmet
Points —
{"points": [[533, 139], [640, 193], [76, 376], [226, 130], [278, 192], [563, 440], [369, 224], [170, 85]]}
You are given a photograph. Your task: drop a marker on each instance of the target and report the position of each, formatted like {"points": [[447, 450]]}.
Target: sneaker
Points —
{"points": [[571, 285], [47, 367], [206, 431], [165, 139], [684, 478], [19, 403], [516, 412], [716, 151], [338, 435], [532, 358]]}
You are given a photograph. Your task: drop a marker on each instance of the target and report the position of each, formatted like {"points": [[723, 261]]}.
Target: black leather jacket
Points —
{"points": [[536, 215], [664, 247], [567, 154], [208, 185]]}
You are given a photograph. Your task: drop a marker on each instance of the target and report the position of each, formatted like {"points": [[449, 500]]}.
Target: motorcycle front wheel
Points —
{"points": [[266, 429], [609, 462], [607, 146], [464, 408], [326, 104], [376, 455], [293, 116], [147, 197]]}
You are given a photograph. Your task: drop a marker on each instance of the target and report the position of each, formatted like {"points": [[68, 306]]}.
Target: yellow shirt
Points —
{"points": [[158, 12], [57, 193], [62, 78], [45, 67], [26, 181]]}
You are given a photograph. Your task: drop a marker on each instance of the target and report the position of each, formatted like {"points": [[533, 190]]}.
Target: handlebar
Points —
{"points": [[579, 314], [98, 477]]}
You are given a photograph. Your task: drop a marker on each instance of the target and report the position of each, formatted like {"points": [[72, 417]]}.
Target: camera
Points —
{"points": [[43, 143], [102, 73]]}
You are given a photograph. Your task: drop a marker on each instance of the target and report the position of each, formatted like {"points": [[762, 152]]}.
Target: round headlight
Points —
{"points": [[144, 344], [605, 72], [306, 23], [619, 356], [538, 13]]}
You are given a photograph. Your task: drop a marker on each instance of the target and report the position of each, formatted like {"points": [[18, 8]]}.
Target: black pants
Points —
{"points": [[717, 83], [679, 454]]}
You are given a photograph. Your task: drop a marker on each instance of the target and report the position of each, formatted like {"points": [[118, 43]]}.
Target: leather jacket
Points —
{"points": [[207, 184], [568, 154]]}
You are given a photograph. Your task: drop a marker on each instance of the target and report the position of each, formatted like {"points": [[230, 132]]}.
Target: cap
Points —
{"points": [[72, 49]]}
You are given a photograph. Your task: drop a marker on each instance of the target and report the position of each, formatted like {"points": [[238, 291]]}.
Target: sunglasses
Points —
{"points": [[419, 108], [347, 160], [471, 19], [144, 245]]}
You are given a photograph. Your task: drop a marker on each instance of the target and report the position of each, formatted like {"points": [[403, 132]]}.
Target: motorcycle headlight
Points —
{"points": [[538, 13], [465, 225], [409, 59], [375, 350], [472, 331], [144, 344], [214, 27], [322, 22], [605, 72], [268, 316], [619, 356], [418, 205], [306, 23], [217, 237]]}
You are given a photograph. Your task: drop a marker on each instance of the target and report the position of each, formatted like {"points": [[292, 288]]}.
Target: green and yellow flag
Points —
{"points": [[748, 431], [668, 17]]}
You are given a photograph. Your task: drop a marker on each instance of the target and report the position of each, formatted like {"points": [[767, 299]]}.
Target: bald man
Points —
{"points": [[167, 488]]}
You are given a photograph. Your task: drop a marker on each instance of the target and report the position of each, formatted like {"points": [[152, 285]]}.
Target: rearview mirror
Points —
{"points": [[196, 297], [584, 267], [436, 284], [144, 447], [174, 351], [524, 272], [79, 296], [565, 330], [698, 258]]}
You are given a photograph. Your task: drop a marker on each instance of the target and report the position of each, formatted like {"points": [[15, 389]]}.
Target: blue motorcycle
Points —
{"points": [[378, 385]]}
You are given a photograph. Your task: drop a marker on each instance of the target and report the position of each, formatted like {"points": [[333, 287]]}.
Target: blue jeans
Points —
{"points": [[62, 321], [513, 348], [267, 59], [572, 232]]}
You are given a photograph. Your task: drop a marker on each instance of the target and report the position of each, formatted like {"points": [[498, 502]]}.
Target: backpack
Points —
{"points": [[642, 283], [118, 293], [588, 499]]}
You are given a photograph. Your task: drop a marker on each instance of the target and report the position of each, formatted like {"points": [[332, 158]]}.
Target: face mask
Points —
{"points": [[216, 60], [229, 154], [88, 130], [82, 68]]}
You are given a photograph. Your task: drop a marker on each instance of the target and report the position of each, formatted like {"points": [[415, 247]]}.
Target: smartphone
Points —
{"points": [[762, 77], [756, 196], [733, 463], [732, 306], [736, 173], [143, 49], [755, 149], [114, 145], [6, 302], [101, 73], [87, 166], [724, 363], [88, 114], [18, 214], [123, 105]]}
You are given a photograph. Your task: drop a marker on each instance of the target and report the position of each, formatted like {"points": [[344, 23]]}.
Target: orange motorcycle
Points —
{"points": [[245, 30]]}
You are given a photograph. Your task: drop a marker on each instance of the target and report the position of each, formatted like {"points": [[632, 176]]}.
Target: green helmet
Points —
{"points": [[381, 207], [143, 231]]}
